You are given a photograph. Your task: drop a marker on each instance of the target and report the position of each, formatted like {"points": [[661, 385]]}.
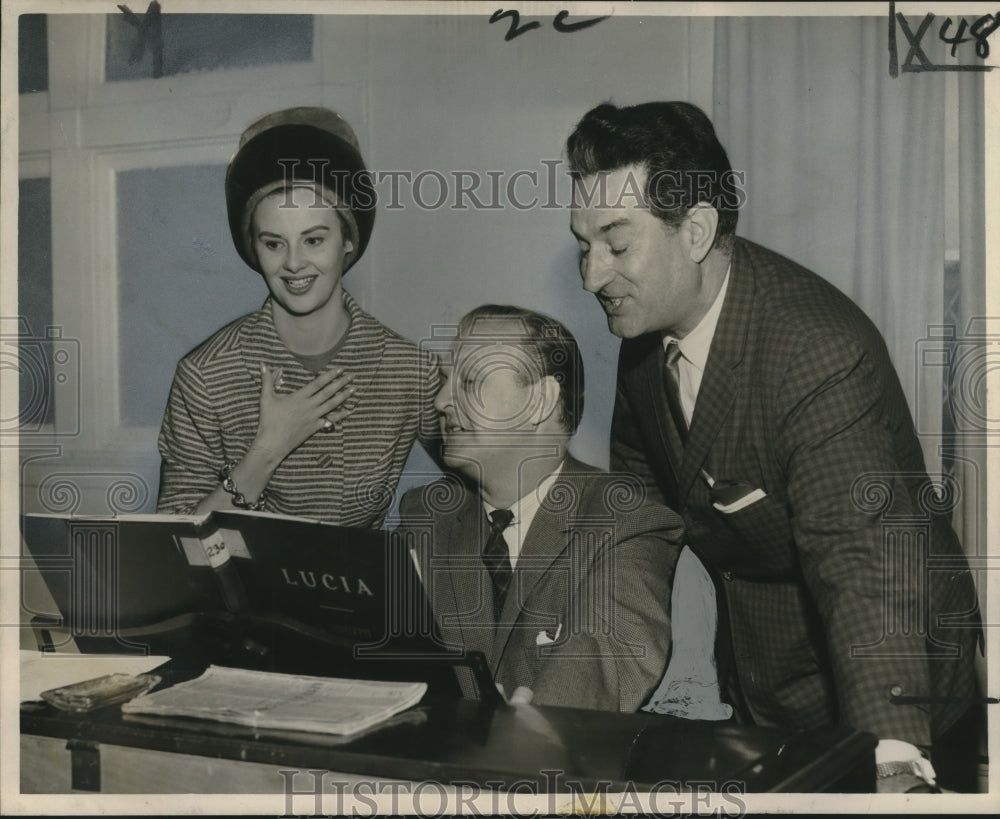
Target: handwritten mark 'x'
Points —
{"points": [[914, 40], [150, 33]]}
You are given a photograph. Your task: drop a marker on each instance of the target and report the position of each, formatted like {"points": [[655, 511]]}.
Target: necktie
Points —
{"points": [[496, 557], [672, 387]]}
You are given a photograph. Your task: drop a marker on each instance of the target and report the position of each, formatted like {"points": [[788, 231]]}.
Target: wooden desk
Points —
{"points": [[447, 741]]}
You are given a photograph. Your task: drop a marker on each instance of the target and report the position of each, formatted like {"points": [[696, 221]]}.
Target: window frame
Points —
{"points": [[81, 133]]}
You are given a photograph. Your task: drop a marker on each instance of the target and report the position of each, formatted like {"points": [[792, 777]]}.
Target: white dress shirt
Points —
{"points": [[524, 510], [694, 349]]}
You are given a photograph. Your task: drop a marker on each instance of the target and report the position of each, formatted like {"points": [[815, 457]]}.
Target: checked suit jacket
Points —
{"points": [[845, 587], [586, 621]]}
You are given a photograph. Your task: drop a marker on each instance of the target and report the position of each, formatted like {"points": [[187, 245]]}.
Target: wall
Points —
{"points": [[142, 264]]}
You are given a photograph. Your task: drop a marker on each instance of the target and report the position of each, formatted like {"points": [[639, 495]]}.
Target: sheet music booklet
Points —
{"points": [[313, 579]]}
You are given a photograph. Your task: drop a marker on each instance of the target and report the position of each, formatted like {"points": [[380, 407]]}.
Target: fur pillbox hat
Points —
{"points": [[308, 146]]}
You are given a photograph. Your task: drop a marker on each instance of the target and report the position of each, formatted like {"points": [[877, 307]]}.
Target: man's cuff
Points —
{"points": [[895, 750]]}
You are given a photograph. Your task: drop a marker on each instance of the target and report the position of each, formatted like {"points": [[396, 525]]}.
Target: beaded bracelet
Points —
{"points": [[239, 499]]}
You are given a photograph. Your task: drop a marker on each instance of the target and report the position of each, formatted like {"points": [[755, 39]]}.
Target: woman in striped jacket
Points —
{"points": [[308, 406]]}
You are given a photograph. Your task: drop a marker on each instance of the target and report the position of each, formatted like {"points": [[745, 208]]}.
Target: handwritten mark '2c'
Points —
{"points": [[558, 23]]}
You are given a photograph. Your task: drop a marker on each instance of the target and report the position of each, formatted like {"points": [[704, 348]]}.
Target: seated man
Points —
{"points": [[558, 572]]}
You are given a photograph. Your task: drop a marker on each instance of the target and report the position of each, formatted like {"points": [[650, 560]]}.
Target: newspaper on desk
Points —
{"points": [[262, 699]]}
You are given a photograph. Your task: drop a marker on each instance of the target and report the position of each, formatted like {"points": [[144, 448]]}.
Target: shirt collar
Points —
{"points": [[359, 354], [524, 508], [696, 344]]}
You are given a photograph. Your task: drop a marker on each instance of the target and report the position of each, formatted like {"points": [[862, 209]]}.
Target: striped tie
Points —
{"points": [[672, 387], [496, 557]]}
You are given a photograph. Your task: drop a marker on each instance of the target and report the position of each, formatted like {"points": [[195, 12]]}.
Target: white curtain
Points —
{"points": [[844, 172], [846, 175], [968, 447]]}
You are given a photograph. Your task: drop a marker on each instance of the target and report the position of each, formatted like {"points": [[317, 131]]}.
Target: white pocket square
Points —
{"points": [[741, 503], [543, 639]]}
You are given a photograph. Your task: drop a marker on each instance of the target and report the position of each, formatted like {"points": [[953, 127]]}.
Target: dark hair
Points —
{"points": [[552, 348], [310, 146], [675, 143]]}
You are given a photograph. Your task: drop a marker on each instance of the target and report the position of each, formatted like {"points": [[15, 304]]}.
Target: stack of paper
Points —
{"points": [[260, 699]]}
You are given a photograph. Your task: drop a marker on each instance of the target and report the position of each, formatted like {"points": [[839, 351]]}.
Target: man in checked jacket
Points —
{"points": [[760, 403]]}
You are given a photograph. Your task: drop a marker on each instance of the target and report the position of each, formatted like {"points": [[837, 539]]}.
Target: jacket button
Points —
{"points": [[896, 691], [727, 575]]}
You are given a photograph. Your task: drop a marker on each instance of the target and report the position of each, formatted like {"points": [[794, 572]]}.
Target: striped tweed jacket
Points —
{"points": [[834, 606], [586, 621], [346, 475]]}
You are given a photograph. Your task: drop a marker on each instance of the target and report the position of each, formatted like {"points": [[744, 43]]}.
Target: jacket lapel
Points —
{"points": [[466, 579], [545, 541], [719, 384]]}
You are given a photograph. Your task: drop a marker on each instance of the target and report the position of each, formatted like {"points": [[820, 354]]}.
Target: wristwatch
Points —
{"points": [[911, 767]]}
